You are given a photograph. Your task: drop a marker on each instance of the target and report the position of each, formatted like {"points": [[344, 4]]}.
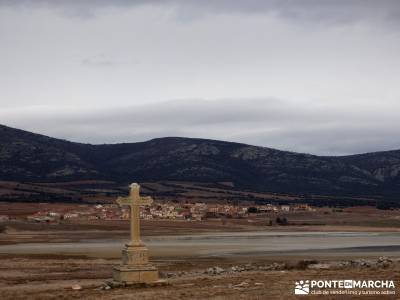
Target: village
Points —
{"points": [[170, 210]]}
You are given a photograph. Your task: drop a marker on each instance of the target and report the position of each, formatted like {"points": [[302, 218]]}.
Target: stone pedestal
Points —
{"points": [[131, 275], [135, 267]]}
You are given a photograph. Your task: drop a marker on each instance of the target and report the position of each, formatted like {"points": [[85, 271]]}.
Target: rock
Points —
{"points": [[181, 273], [384, 259], [319, 266], [242, 284], [76, 287], [237, 269], [343, 264], [275, 266], [383, 262], [365, 263], [214, 271], [258, 283], [209, 271], [112, 285], [362, 263]]}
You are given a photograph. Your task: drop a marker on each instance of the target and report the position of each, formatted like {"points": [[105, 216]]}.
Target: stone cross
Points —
{"points": [[134, 200]]}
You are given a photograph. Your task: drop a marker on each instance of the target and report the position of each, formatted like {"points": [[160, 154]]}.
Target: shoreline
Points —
{"points": [[225, 244]]}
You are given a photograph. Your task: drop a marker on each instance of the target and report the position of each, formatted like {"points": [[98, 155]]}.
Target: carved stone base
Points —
{"points": [[135, 267], [135, 255], [135, 274]]}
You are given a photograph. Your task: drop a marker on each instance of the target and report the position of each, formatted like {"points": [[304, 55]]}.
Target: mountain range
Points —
{"points": [[30, 157]]}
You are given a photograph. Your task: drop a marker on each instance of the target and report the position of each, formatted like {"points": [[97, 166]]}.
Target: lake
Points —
{"points": [[231, 244]]}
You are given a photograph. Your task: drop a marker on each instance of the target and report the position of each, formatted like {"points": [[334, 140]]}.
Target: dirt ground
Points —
{"points": [[53, 278]]}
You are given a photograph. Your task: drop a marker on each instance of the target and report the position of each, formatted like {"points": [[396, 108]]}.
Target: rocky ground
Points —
{"points": [[189, 277], [198, 278]]}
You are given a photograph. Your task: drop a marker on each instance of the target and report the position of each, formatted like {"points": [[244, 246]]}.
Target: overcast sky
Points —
{"points": [[313, 76]]}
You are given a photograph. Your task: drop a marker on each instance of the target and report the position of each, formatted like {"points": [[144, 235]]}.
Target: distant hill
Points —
{"points": [[29, 157]]}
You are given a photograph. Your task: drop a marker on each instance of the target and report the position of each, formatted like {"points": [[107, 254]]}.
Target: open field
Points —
{"points": [[51, 273], [52, 277], [43, 261], [100, 191]]}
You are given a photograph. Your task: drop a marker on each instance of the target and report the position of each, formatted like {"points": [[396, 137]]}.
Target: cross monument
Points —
{"points": [[135, 266], [134, 201]]}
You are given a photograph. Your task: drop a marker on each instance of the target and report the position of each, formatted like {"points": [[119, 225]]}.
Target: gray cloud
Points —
{"points": [[338, 11], [102, 73], [98, 62], [328, 130]]}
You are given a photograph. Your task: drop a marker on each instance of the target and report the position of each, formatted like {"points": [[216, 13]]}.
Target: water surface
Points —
{"points": [[230, 244]]}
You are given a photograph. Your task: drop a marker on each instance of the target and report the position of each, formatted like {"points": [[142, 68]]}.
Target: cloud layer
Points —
{"points": [[302, 75], [266, 122], [337, 11]]}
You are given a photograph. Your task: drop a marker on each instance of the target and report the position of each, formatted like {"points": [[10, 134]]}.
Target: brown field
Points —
{"points": [[36, 277], [28, 276], [97, 191]]}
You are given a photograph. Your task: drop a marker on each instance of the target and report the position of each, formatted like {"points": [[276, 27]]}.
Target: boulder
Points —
{"points": [[319, 266], [76, 287], [214, 271]]}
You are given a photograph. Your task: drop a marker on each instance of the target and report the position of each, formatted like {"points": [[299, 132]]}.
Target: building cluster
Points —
{"points": [[193, 211], [80, 212], [200, 211], [169, 210]]}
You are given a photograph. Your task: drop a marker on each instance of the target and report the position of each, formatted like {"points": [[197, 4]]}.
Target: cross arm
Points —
{"points": [[146, 200], [123, 201]]}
